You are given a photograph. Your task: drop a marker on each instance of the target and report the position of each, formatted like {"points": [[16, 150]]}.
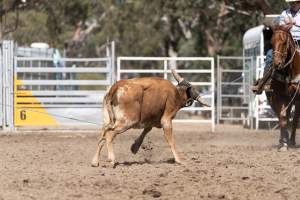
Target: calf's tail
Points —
{"points": [[108, 100]]}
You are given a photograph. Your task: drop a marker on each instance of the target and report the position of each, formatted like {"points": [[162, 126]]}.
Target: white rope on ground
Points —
{"points": [[56, 115]]}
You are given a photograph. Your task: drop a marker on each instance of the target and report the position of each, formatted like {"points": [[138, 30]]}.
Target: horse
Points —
{"points": [[284, 83]]}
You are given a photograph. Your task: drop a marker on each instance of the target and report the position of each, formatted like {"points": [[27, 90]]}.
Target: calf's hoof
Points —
{"points": [[95, 163], [134, 148], [181, 163], [113, 165], [292, 143]]}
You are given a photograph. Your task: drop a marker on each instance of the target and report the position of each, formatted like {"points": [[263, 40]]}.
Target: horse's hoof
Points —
{"points": [[134, 148], [283, 147], [293, 144]]}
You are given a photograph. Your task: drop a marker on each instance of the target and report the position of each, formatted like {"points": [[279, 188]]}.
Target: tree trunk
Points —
{"points": [[264, 6], [1, 29], [172, 53]]}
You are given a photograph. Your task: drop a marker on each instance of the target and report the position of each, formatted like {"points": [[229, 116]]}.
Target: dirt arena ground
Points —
{"points": [[232, 163]]}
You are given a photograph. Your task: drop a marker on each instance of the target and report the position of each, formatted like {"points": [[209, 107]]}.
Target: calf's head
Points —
{"points": [[192, 94]]}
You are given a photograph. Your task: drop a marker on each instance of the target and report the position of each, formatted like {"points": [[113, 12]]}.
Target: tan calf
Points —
{"points": [[143, 103]]}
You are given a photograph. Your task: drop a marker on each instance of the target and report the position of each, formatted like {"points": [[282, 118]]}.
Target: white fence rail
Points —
{"points": [[164, 71], [32, 87]]}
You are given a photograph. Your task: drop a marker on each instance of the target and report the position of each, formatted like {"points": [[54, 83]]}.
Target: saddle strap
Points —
{"points": [[279, 77]]}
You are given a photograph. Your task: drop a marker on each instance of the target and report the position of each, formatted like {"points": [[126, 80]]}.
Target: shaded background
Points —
{"points": [[139, 27]]}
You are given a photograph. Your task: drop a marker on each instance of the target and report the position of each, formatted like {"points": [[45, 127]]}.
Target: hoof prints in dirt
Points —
{"points": [[229, 165], [147, 151], [215, 196], [152, 192]]}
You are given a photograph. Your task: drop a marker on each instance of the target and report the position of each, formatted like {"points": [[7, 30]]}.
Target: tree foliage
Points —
{"points": [[140, 28]]}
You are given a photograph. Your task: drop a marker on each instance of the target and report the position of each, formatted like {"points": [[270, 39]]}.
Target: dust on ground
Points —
{"points": [[232, 163]]}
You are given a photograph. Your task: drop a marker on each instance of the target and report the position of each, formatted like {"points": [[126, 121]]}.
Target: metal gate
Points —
{"points": [[5, 85], [1, 86], [233, 83], [198, 70], [61, 91]]}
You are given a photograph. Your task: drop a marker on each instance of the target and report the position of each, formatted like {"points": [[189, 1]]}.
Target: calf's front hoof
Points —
{"points": [[95, 163], [134, 148]]}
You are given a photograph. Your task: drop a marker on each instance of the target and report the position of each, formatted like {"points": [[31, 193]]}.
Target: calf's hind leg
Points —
{"points": [[107, 135], [110, 135], [95, 161]]}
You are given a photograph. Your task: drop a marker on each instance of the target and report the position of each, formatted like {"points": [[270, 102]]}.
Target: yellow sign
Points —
{"points": [[28, 111]]}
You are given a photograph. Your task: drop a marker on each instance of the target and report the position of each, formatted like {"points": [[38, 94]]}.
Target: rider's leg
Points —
{"points": [[269, 58], [259, 85], [268, 65]]}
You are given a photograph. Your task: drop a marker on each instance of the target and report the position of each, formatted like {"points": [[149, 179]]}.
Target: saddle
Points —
{"points": [[281, 75]]}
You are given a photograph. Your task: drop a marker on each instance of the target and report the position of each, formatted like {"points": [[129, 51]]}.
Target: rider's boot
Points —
{"points": [[257, 87]]}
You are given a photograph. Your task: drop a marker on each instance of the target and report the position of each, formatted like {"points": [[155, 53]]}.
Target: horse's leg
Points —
{"points": [[283, 123], [279, 106], [295, 124]]}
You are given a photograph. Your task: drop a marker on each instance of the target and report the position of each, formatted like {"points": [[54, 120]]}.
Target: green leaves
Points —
{"points": [[141, 27]]}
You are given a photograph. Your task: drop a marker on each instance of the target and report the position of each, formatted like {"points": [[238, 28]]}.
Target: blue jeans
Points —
{"points": [[269, 58]]}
